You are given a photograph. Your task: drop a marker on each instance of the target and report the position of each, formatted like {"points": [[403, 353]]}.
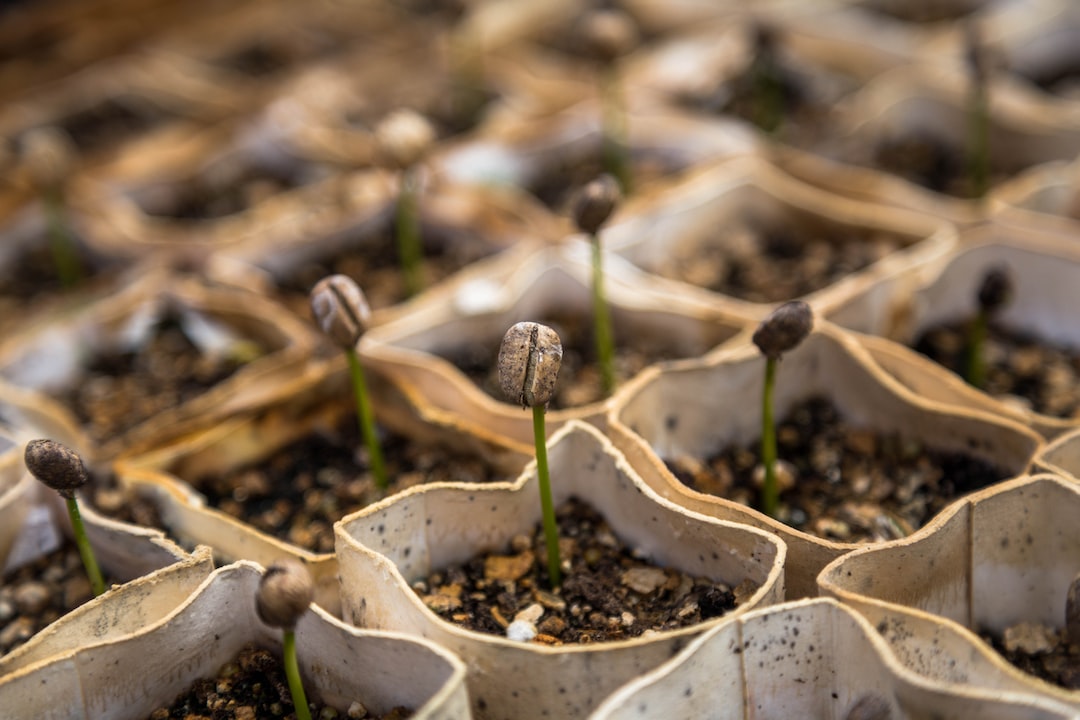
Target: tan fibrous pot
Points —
{"points": [[385, 548], [43, 360], [1001, 556], [671, 412], [476, 312], [808, 658], [130, 676], [1041, 265]]}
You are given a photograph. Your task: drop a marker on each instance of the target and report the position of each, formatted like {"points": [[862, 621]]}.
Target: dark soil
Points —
{"points": [[119, 390], [1040, 651], [933, 164], [120, 503], [106, 124], [923, 11], [232, 190], [609, 593], [299, 492], [769, 264], [579, 376], [848, 484], [253, 687], [1044, 377], [32, 275], [563, 179], [374, 264], [1062, 79], [38, 594]]}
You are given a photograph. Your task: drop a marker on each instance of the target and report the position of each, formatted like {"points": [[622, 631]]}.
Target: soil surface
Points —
{"points": [[374, 264], [844, 483], [579, 380], [933, 164], [106, 124], [303, 489], [119, 390], [123, 504], [41, 592], [609, 593], [32, 275], [1039, 650], [1020, 368], [253, 687], [778, 263]]}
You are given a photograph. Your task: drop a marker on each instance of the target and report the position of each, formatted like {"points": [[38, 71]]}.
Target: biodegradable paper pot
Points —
{"points": [[1042, 266], [810, 658], [155, 572], [748, 192], [1003, 555], [385, 548], [699, 407], [1046, 196], [49, 358], [131, 676], [168, 474], [477, 311], [1062, 455]]}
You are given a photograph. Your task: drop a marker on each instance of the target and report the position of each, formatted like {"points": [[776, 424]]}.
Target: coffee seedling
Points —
{"points": [[781, 332], [404, 138], [285, 592], [766, 82], [609, 34], [49, 155], [529, 360], [994, 293], [60, 468], [978, 144], [342, 311], [592, 207]]}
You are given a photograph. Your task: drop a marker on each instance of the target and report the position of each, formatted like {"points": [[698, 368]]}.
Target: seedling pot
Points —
{"points": [[385, 548], [130, 676]]}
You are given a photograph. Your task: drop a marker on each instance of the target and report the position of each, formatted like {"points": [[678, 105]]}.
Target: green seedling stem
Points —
{"points": [[547, 505], [367, 420], [975, 365], [292, 674], [93, 571], [616, 156], [770, 493], [61, 242], [602, 332], [408, 234]]}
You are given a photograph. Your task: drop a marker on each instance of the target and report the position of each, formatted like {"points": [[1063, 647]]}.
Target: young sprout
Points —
{"points": [[592, 207], [404, 138], [768, 89], [342, 311], [978, 145], [609, 34], [285, 592], [49, 155], [61, 468], [781, 332], [529, 360], [994, 293]]}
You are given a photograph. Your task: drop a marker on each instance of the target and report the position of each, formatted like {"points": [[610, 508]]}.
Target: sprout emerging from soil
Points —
{"points": [[49, 155], [404, 137], [592, 207], [60, 468], [285, 592], [342, 311], [978, 146], [529, 360], [781, 332], [609, 34], [765, 78], [994, 293]]}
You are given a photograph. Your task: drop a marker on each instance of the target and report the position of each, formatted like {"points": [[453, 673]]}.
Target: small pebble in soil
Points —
{"points": [[1039, 650], [608, 593], [850, 484], [39, 593], [253, 686], [1019, 366]]}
